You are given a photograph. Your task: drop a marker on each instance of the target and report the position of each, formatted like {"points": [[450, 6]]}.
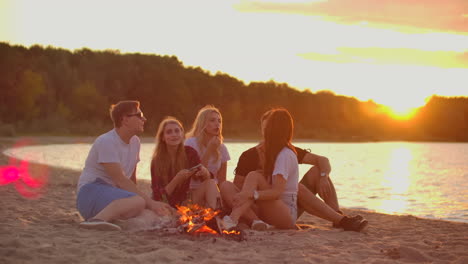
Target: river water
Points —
{"points": [[422, 179]]}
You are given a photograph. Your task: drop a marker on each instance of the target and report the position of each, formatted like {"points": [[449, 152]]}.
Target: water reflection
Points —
{"points": [[393, 205], [422, 179], [397, 178]]}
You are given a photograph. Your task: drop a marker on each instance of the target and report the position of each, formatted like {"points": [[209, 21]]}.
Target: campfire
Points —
{"points": [[196, 220]]}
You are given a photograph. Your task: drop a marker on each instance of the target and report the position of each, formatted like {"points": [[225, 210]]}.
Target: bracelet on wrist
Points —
{"points": [[256, 195]]}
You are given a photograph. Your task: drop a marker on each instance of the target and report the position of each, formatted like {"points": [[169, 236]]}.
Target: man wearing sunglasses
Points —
{"points": [[107, 186]]}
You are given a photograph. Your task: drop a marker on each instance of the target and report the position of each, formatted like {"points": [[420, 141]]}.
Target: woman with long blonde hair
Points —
{"points": [[207, 139], [173, 165]]}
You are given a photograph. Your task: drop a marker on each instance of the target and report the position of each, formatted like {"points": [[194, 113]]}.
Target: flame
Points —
{"points": [[194, 217], [233, 232], [206, 229]]}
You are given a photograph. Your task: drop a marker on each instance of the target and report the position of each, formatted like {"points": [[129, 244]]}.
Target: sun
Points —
{"points": [[402, 109], [401, 113]]}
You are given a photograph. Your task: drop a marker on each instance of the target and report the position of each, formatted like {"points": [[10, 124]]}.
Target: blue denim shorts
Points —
{"points": [[95, 196], [291, 201]]}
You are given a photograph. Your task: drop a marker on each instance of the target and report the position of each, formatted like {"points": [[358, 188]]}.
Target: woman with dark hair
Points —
{"points": [[274, 189], [173, 166], [255, 158]]}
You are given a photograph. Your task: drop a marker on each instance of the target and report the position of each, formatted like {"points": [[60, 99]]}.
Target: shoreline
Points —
{"points": [[46, 230], [46, 140]]}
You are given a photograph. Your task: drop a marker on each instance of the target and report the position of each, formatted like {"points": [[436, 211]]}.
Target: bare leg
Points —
{"points": [[251, 183], [313, 205], [228, 190], [274, 212], [122, 209], [311, 180], [207, 194]]}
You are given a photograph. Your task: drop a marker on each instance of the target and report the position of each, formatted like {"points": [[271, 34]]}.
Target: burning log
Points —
{"points": [[196, 220]]}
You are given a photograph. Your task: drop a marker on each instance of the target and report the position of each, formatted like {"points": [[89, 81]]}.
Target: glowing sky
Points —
{"points": [[396, 52]]}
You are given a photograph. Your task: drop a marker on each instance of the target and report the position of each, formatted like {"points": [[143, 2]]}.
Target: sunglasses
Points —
{"points": [[139, 115]]}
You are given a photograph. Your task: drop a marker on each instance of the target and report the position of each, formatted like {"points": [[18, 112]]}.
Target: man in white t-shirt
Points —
{"points": [[107, 186]]}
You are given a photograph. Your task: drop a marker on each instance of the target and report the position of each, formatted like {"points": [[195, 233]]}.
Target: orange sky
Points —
{"points": [[395, 52]]}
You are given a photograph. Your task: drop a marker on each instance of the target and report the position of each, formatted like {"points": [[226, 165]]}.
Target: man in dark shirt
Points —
{"points": [[311, 184], [316, 180]]}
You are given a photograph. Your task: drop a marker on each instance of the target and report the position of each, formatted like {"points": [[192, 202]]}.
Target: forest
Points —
{"points": [[54, 91]]}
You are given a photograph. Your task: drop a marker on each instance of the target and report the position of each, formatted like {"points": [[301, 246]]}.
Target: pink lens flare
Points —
{"points": [[39, 180], [8, 174], [28, 179], [29, 193]]}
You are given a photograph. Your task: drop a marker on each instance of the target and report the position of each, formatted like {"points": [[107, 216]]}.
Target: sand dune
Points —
{"points": [[46, 230]]}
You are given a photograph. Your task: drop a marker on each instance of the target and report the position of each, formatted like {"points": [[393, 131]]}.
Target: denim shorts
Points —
{"points": [[95, 196], [290, 199]]}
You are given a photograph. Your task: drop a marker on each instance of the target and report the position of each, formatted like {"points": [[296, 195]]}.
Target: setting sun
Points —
{"points": [[402, 113], [396, 59], [149, 126], [389, 58], [402, 109]]}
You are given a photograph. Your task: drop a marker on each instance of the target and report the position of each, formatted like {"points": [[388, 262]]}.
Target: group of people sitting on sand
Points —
{"points": [[191, 167]]}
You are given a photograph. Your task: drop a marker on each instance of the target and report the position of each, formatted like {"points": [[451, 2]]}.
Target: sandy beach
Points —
{"points": [[45, 230]]}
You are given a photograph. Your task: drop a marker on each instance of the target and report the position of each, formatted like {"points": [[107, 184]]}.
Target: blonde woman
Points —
{"points": [[173, 166], [207, 139]]}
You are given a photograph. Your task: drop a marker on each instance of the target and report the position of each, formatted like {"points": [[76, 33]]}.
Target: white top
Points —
{"points": [[213, 165], [286, 165], [109, 148]]}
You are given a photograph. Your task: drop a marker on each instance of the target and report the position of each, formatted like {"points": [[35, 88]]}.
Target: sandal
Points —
{"points": [[259, 225], [356, 224], [227, 223]]}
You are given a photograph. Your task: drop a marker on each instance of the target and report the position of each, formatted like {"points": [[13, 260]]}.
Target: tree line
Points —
{"points": [[49, 90]]}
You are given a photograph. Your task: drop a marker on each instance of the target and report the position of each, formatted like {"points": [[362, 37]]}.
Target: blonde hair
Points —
{"points": [[161, 155], [199, 125]]}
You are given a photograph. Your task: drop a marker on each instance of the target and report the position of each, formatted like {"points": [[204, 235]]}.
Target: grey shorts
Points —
{"points": [[291, 201]]}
